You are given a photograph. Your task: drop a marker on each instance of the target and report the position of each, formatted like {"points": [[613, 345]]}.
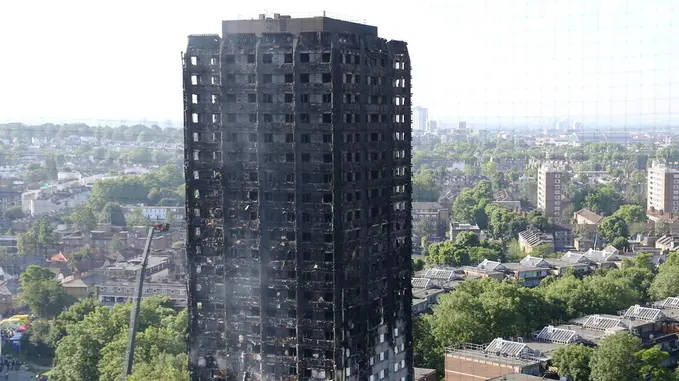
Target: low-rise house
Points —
{"points": [[667, 243], [602, 259], [10, 243], [9, 296], [457, 228], [530, 275], [128, 270], [563, 236], [507, 200], [81, 287], [531, 238], [586, 217]]}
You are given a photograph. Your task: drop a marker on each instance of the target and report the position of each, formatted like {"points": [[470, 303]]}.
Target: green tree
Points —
{"points": [[604, 200], [613, 227], [665, 284], [504, 224], [169, 217], [468, 239], [428, 352], [615, 359], [137, 218], [116, 244], [94, 346], [112, 214], [446, 253], [572, 361], [424, 186], [83, 253], [38, 240], [543, 251], [164, 367], [42, 293], [631, 214], [652, 367], [83, 217], [481, 310], [621, 243], [14, 212]]}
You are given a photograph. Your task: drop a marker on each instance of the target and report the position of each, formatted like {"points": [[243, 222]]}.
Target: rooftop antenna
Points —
{"points": [[323, 13]]}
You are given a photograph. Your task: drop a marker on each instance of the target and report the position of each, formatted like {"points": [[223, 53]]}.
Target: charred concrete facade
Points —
{"points": [[298, 146]]}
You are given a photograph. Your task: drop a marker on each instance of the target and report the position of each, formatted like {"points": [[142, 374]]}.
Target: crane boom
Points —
{"points": [[136, 302]]}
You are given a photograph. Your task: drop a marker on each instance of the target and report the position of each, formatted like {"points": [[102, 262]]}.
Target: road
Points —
{"points": [[18, 376]]}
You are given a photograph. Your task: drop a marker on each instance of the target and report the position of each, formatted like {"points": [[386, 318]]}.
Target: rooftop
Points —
{"points": [[535, 237], [559, 335], [644, 313], [589, 215]]}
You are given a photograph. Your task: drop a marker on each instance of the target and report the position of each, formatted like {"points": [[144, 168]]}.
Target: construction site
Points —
{"points": [[297, 159]]}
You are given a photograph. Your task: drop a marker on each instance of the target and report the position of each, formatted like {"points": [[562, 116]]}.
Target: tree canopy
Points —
{"points": [[95, 338], [43, 294]]}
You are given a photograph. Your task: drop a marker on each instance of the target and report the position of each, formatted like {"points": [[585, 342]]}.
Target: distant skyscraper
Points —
{"points": [[420, 118], [297, 160]]}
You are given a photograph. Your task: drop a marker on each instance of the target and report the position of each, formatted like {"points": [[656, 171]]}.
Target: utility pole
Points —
{"points": [[134, 314]]}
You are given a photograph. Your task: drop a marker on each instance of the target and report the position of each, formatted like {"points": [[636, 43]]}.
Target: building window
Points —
{"points": [[267, 58]]}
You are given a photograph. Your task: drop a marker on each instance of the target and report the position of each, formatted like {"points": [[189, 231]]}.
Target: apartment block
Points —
{"points": [[550, 190], [663, 188], [297, 149]]}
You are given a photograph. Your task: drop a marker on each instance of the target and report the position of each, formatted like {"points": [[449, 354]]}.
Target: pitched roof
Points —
{"points": [[602, 323], [575, 258], [130, 252], [491, 265], [440, 274], [535, 237], [559, 335], [504, 347], [601, 256], [420, 282], [589, 215], [611, 249], [671, 303], [534, 262], [644, 313]]}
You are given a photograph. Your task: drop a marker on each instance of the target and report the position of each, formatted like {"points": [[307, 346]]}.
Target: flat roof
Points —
{"points": [[287, 24]]}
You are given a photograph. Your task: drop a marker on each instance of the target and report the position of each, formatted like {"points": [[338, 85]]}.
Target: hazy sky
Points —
{"points": [[113, 60]]}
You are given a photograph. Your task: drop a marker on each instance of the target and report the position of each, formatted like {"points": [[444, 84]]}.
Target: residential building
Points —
{"points": [[563, 236], [550, 190], [667, 243], [663, 188], [115, 292], [10, 243], [81, 287], [156, 213], [435, 212], [457, 228], [8, 199], [586, 217], [532, 238], [298, 146], [473, 362], [420, 119]]}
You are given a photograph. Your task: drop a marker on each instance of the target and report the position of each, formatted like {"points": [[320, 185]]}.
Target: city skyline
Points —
{"points": [[607, 62]]}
